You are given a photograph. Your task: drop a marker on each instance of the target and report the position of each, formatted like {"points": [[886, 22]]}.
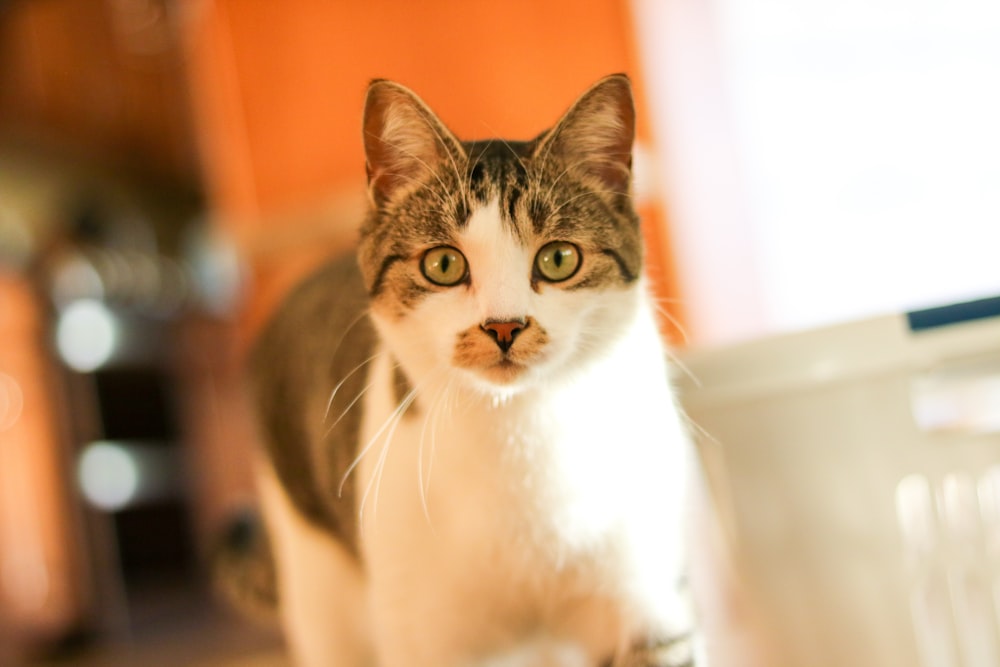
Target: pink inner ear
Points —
{"points": [[388, 165], [597, 133], [614, 172], [607, 130], [404, 142]]}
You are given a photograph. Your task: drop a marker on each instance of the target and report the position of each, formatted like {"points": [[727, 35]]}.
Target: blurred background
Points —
{"points": [[168, 168]]}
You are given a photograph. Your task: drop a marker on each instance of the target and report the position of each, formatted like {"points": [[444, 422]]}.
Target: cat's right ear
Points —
{"points": [[405, 143]]}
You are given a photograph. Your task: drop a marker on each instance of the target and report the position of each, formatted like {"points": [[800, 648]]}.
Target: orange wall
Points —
{"points": [[280, 84], [278, 89]]}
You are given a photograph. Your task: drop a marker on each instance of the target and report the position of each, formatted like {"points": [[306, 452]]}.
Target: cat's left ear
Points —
{"points": [[405, 143], [595, 135]]}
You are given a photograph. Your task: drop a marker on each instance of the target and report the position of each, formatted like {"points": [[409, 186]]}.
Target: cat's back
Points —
{"points": [[319, 339]]}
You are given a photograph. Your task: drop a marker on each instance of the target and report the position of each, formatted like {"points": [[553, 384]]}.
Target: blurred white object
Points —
{"points": [[86, 335], [116, 475], [824, 161], [860, 471]]}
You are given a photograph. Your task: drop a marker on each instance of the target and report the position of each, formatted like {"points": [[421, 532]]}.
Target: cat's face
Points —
{"points": [[505, 264]]}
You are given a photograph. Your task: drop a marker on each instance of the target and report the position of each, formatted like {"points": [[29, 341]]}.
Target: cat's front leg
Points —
{"points": [[320, 586]]}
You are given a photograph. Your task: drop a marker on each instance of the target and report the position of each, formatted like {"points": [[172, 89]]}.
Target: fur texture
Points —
{"points": [[474, 456]]}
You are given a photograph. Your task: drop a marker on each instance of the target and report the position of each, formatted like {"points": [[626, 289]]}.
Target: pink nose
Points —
{"points": [[504, 333]]}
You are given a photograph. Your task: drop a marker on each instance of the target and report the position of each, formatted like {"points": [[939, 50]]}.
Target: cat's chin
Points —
{"points": [[505, 373], [503, 379]]}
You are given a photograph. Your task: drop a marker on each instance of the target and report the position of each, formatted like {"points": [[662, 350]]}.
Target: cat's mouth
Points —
{"points": [[504, 371], [479, 352]]}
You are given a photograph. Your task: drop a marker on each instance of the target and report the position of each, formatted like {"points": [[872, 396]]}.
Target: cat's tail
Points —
{"points": [[243, 568]]}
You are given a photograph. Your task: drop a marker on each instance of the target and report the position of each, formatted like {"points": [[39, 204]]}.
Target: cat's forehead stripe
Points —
{"points": [[498, 171], [499, 264]]}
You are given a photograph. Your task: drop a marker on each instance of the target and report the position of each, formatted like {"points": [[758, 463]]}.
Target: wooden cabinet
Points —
{"points": [[44, 589], [103, 78]]}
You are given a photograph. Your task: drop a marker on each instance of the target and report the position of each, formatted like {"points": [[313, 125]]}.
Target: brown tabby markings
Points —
{"points": [[312, 364], [540, 198], [323, 338], [403, 389], [320, 339]]}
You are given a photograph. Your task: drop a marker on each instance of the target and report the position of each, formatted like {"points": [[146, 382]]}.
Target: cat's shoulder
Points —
{"points": [[329, 303], [336, 282]]}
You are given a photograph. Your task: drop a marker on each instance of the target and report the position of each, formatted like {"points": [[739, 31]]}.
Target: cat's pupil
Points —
{"points": [[557, 258], [445, 262]]}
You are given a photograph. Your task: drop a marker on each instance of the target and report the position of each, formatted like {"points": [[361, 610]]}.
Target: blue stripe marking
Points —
{"points": [[932, 318]]}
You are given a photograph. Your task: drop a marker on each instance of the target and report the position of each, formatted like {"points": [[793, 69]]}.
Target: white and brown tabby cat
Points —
{"points": [[473, 454]]}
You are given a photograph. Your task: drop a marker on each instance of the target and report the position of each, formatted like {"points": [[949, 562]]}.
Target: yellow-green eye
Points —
{"points": [[444, 265], [557, 261]]}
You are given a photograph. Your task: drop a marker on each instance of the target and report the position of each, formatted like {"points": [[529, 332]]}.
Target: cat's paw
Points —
{"points": [[675, 652]]}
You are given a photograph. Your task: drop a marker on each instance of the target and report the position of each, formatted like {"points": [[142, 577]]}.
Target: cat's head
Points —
{"points": [[508, 262]]}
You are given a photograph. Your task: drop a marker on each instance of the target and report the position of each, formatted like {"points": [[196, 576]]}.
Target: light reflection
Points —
{"points": [[86, 335], [114, 475], [76, 278], [109, 475]]}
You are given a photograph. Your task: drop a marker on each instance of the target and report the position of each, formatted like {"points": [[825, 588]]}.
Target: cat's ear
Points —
{"points": [[595, 135], [405, 143]]}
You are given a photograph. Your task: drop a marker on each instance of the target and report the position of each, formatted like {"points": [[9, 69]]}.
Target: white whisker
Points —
{"points": [[376, 478], [364, 451], [555, 181], [418, 182], [423, 481], [390, 423], [473, 163], [447, 148], [509, 147], [348, 408], [698, 428], [340, 341], [588, 193], [441, 402], [675, 361], [333, 394], [673, 321], [389, 429]]}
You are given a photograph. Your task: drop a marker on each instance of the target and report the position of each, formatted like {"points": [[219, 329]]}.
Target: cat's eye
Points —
{"points": [[444, 266], [557, 261]]}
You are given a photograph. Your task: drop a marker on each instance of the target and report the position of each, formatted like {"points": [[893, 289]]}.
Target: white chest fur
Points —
{"points": [[553, 515]]}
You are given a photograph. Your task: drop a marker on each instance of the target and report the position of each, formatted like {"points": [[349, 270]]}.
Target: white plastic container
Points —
{"points": [[858, 471]]}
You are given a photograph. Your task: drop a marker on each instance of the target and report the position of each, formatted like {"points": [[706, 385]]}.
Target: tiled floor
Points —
{"points": [[178, 629]]}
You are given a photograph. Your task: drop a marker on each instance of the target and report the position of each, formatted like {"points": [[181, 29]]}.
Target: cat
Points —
{"points": [[473, 453]]}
